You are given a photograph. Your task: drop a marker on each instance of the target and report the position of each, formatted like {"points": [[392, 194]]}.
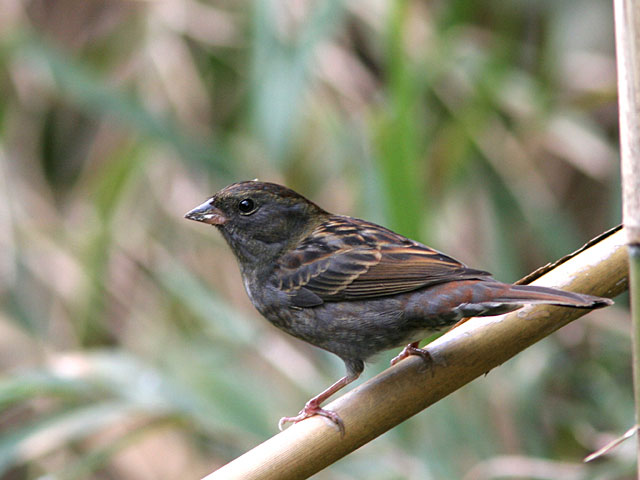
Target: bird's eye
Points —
{"points": [[246, 206]]}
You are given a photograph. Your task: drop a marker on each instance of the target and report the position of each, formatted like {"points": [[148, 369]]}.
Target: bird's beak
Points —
{"points": [[206, 213]]}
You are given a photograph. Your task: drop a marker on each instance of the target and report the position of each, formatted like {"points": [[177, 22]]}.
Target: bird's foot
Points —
{"points": [[413, 349], [309, 410]]}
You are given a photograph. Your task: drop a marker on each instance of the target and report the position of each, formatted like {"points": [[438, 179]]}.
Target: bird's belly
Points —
{"points": [[359, 329]]}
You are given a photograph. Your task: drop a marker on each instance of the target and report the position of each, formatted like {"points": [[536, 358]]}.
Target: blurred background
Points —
{"points": [[128, 347]]}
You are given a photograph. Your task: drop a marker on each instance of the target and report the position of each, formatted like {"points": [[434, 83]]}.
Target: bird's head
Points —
{"points": [[259, 220]]}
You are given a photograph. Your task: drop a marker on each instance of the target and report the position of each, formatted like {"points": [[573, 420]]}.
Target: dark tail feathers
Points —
{"points": [[551, 296]]}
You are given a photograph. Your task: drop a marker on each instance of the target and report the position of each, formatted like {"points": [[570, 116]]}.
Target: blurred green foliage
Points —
{"points": [[128, 348]]}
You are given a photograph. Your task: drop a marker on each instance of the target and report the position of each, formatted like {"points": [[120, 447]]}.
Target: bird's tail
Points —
{"points": [[527, 294]]}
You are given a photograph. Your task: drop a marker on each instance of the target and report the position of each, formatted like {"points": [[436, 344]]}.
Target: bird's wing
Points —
{"points": [[349, 259]]}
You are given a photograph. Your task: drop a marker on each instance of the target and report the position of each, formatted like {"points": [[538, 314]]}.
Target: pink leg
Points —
{"points": [[312, 407]]}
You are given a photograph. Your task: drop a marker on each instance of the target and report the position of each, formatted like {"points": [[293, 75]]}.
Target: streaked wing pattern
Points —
{"points": [[347, 258]]}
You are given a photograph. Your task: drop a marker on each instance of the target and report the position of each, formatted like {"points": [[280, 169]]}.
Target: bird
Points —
{"points": [[352, 287]]}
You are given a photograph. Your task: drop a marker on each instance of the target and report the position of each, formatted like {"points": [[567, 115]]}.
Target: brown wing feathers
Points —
{"points": [[382, 263]]}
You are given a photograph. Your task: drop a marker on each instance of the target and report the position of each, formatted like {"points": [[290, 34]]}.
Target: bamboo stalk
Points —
{"points": [[627, 24], [462, 354], [627, 20]]}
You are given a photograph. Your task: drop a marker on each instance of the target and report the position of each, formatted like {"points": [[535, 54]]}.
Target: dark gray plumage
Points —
{"points": [[349, 286]]}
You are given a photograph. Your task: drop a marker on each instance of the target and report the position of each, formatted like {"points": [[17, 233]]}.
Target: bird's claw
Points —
{"points": [[413, 349], [310, 411]]}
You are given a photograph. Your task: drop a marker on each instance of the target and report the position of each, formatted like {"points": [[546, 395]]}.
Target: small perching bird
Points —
{"points": [[350, 286]]}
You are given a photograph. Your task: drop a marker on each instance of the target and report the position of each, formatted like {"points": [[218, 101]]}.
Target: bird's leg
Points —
{"points": [[413, 349], [312, 407]]}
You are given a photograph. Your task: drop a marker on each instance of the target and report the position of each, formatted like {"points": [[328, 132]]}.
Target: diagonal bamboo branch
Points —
{"points": [[462, 354]]}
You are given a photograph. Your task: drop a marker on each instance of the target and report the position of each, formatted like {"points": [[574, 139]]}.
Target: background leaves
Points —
{"points": [[488, 130]]}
